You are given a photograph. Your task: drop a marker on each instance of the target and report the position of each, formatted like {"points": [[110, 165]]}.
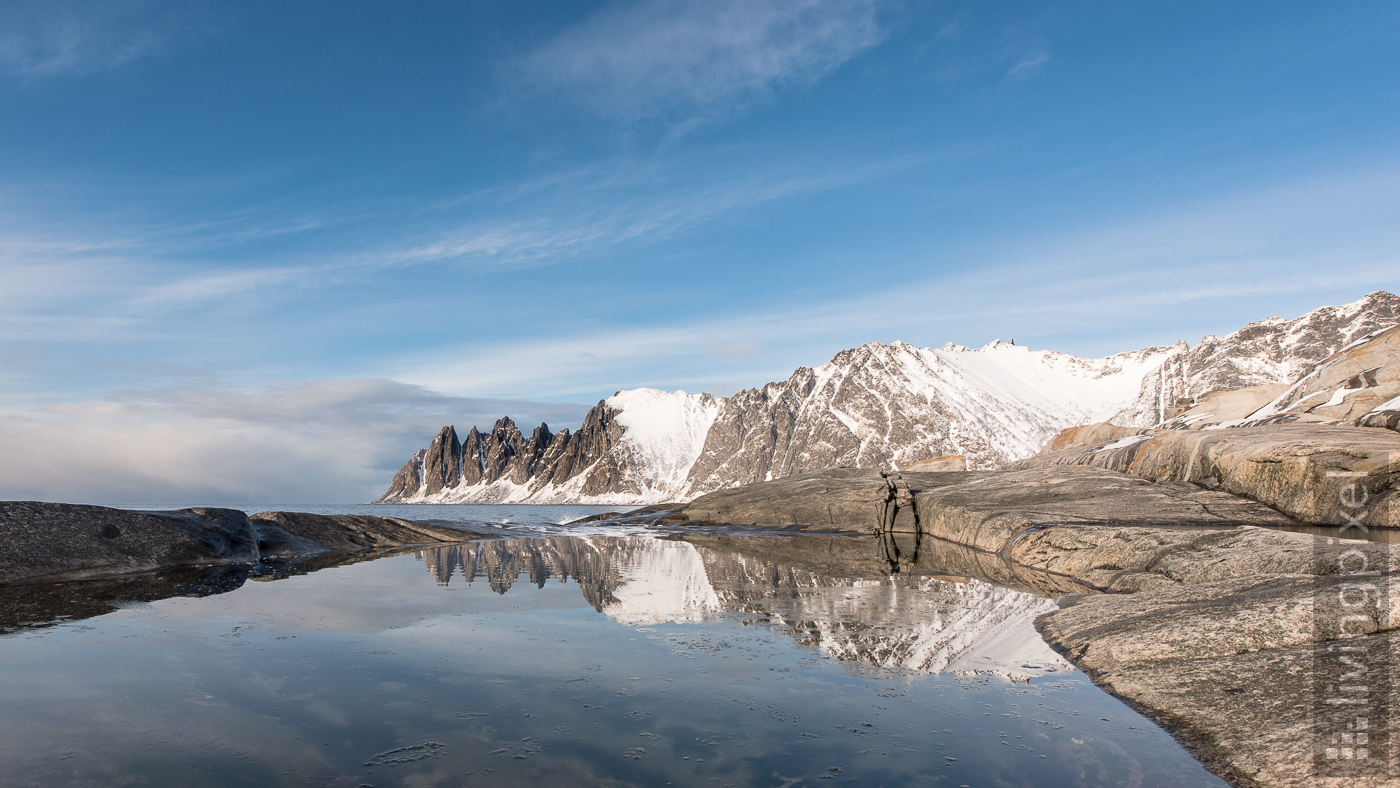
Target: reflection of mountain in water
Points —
{"points": [[848, 608]]}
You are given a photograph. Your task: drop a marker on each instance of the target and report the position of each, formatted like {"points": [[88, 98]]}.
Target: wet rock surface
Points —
{"points": [[46, 542]]}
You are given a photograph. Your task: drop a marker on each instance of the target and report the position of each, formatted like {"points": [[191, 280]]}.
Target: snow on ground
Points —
{"points": [[665, 430], [1073, 388], [1012, 397]]}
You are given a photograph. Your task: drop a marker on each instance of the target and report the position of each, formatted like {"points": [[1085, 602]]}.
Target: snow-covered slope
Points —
{"points": [[664, 431], [893, 405], [872, 406]]}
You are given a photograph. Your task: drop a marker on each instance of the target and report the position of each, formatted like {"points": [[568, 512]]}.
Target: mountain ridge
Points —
{"points": [[875, 405]]}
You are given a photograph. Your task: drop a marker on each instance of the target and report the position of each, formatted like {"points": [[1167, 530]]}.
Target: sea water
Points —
{"points": [[559, 659]]}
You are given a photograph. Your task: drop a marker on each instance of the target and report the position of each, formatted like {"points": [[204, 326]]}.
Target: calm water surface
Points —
{"points": [[528, 516], [571, 660]]}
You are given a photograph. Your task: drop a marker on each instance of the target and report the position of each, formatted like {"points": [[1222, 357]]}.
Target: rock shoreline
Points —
{"points": [[56, 542], [1199, 607], [1182, 590]]}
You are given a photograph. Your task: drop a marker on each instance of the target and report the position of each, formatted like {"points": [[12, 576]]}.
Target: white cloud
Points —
{"points": [[303, 442], [201, 287], [1028, 65], [656, 57]]}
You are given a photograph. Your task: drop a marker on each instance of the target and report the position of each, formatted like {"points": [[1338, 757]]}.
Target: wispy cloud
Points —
{"points": [[80, 37], [1211, 266], [652, 58], [1029, 64], [583, 218]]}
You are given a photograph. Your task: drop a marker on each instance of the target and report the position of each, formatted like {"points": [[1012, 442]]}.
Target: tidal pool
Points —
{"points": [[635, 660]]}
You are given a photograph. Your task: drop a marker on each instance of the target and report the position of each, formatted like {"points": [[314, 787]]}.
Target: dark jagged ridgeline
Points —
{"points": [[881, 406], [588, 460]]}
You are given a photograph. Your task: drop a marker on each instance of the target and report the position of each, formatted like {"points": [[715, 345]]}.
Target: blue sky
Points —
{"points": [[261, 251]]}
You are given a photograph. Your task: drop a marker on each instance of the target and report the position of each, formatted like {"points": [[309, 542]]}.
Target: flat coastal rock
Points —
{"points": [[835, 499], [980, 509], [47, 542], [290, 530], [57, 541], [1247, 673], [1252, 717]]}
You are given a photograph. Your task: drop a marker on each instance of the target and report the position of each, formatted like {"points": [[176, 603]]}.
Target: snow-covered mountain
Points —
{"points": [[872, 406], [1271, 351], [634, 447], [894, 405]]}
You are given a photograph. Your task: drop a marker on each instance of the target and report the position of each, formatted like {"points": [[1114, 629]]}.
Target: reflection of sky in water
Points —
{"points": [[696, 674]]}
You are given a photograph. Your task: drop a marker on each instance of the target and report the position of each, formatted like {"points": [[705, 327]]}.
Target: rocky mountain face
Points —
{"points": [[872, 406], [634, 446], [1273, 351], [894, 405]]}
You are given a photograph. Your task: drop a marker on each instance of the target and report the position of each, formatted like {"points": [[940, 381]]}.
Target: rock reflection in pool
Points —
{"points": [[700, 662]]}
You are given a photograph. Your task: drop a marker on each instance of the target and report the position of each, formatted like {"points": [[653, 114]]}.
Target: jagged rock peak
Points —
{"points": [[635, 445]]}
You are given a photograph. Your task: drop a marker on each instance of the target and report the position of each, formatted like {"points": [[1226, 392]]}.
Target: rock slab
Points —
{"points": [[47, 542]]}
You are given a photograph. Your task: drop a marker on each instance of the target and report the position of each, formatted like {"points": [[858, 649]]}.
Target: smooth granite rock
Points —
{"points": [[1349, 384], [1216, 619], [58, 541], [349, 531], [1222, 406], [952, 463], [997, 508], [48, 542], [1090, 435], [1132, 559], [986, 510], [1265, 678], [835, 499], [1327, 475], [1262, 718]]}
